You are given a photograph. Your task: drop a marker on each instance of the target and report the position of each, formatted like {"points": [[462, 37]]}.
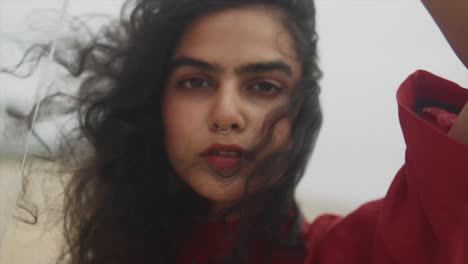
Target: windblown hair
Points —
{"points": [[124, 203]]}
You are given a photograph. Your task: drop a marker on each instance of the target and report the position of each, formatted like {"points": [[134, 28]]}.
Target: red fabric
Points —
{"points": [[423, 218], [440, 118]]}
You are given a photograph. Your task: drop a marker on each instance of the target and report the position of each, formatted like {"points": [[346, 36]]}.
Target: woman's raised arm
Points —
{"points": [[452, 18]]}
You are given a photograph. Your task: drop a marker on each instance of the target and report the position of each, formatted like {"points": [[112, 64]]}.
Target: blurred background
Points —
{"points": [[367, 48]]}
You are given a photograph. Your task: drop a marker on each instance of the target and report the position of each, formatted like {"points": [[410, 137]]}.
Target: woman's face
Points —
{"points": [[231, 69]]}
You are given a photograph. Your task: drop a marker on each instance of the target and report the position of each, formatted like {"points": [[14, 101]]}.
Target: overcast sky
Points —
{"points": [[367, 48]]}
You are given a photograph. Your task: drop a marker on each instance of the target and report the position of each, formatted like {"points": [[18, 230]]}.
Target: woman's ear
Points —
{"points": [[452, 18]]}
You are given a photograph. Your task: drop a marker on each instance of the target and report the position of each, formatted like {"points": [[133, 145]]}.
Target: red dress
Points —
{"points": [[423, 218]]}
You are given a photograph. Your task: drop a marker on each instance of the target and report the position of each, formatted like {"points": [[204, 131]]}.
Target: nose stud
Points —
{"points": [[224, 131]]}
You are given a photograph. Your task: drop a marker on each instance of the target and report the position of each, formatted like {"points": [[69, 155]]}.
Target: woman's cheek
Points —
{"points": [[282, 134]]}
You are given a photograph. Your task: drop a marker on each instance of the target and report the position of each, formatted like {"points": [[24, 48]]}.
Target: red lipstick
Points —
{"points": [[223, 157]]}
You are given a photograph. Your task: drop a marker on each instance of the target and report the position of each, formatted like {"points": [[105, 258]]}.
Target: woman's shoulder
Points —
{"points": [[336, 236]]}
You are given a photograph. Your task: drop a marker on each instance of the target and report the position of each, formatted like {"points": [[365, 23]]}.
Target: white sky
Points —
{"points": [[367, 48]]}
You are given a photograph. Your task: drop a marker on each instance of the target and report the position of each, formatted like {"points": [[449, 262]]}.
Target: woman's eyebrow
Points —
{"points": [[193, 62], [267, 66]]}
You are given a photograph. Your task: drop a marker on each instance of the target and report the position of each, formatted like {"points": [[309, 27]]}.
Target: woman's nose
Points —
{"points": [[227, 111]]}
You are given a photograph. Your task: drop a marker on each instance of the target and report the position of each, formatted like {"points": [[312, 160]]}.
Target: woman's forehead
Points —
{"points": [[240, 36]]}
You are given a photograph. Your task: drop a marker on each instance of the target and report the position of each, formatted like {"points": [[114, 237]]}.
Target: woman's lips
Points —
{"points": [[221, 162], [223, 157]]}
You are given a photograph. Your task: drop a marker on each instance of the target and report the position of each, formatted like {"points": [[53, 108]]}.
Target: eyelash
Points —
{"points": [[277, 89], [184, 82], [251, 87]]}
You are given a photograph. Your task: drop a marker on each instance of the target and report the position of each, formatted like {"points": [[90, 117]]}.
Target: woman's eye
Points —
{"points": [[265, 88], [193, 83]]}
